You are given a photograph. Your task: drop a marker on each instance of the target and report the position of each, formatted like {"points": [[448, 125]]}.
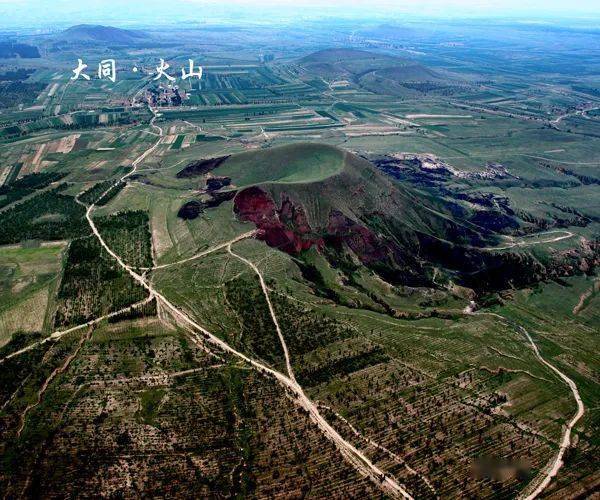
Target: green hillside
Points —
{"points": [[323, 178], [352, 211], [288, 164]]}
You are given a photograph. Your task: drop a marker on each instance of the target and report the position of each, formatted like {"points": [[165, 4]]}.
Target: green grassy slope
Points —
{"points": [[324, 178], [294, 163]]}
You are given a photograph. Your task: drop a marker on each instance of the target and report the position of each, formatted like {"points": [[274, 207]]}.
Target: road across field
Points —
{"points": [[357, 458]]}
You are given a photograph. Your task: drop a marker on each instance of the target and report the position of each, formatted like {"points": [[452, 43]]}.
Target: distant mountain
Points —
{"points": [[98, 33], [355, 65], [379, 73]]}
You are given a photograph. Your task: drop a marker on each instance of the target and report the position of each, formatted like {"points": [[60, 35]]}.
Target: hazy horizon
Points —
{"points": [[36, 14]]}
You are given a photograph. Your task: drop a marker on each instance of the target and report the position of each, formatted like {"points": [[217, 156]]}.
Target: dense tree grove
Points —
{"points": [[47, 216]]}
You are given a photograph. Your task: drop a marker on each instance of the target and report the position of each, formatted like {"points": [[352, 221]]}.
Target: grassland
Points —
{"points": [[29, 281], [297, 163]]}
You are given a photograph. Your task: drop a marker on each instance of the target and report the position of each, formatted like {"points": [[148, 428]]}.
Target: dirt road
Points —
{"points": [[539, 484], [354, 456]]}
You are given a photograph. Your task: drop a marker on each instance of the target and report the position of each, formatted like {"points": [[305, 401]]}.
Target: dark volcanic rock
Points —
{"points": [[190, 210], [216, 183], [380, 254], [217, 198], [200, 167], [193, 209]]}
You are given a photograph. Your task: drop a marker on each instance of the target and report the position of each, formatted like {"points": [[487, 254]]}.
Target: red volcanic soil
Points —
{"points": [[361, 240], [285, 228], [254, 205]]}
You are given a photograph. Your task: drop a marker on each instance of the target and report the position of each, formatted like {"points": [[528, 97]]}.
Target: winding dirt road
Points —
{"points": [[57, 371], [204, 253], [539, 484], [354, 456], [523, 243], [57, 335]]}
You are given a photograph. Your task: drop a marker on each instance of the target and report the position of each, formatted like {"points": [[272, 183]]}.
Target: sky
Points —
{"points": [[39, 13]]}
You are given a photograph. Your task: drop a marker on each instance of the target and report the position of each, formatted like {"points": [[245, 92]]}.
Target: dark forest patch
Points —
{"points": [[17, 75], [9, 50], [14, 93], [18, 189], [93, 284], [128, 234], [18, 223]]}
